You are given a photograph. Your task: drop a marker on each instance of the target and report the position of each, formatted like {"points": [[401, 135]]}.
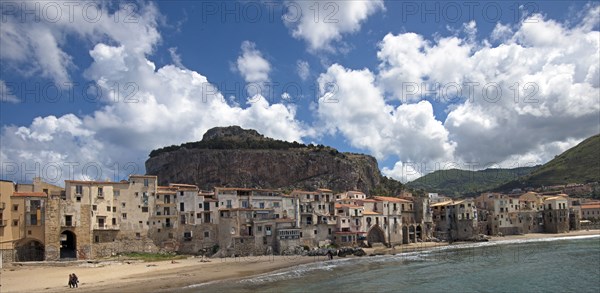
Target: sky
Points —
{"points": [[88, 89]]}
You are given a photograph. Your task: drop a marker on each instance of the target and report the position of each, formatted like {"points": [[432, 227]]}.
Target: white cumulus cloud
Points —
{"points": [[153, 107], [321, 23]]}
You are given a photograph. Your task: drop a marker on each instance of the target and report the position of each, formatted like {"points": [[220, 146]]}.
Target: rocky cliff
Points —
{"points": [[235, 157]]}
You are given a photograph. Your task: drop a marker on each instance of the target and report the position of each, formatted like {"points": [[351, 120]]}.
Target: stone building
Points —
{"points": [[556, 214], [349, 229], [317, 216], [248, 219], [96, 219], [498, 214], [455, 220], [28, 210], [590, 211], [22, 219], [8, 231], [196, 231], [382, 220]]}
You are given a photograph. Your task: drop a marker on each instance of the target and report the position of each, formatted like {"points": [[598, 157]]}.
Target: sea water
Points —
{"points": [[569, 264]]}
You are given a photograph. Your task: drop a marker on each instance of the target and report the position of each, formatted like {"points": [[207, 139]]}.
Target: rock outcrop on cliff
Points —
{"points": [[235, 157]]}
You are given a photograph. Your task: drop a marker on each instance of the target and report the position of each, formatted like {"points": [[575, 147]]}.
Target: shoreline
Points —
{"points": [[121, 276]]}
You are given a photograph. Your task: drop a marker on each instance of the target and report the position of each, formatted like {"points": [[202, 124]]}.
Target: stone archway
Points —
{"points": [[404, 235], [419, 232], [375, 235], [30, 250], [68, 244]]}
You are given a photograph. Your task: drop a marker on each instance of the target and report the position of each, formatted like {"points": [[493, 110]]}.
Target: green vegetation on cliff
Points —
{"points": [[580, 164], [455, 182]]}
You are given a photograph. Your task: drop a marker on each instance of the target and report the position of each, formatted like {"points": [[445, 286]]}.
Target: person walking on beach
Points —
{"points": [[70, 280], [75, 281]]}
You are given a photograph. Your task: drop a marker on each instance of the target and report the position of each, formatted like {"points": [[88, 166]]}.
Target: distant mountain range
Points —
{"points": [[580, 164], [455, 182]]}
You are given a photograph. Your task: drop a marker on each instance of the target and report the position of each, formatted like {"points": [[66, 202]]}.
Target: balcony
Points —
{"points": [[166, 204], [106, 227], [2, 205], [3, 223]]}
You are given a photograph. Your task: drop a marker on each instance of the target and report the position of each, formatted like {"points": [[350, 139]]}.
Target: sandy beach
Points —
{"points": [[119, 276]]}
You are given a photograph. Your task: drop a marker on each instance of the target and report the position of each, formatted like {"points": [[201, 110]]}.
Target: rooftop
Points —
{"points": [[391, 199], [36, 194]]}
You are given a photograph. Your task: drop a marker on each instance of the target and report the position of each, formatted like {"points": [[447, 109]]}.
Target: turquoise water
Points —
{"points": [[550, 265]]}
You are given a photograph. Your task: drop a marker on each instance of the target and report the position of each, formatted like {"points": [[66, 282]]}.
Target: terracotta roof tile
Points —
{"points": [[391, 199], [36, 194]]}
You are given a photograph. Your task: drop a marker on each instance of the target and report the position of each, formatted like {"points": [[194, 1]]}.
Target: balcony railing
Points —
{"points": [[106, 227]]}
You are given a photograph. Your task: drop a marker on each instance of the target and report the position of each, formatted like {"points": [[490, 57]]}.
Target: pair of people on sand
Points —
{"points": [[73, 281]]}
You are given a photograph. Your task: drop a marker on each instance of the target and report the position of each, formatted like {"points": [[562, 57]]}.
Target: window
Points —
{"points": [[100, 193], [315, 231], [33, 219], [78, 199], [187, 236], [181, 206], [96, 238], [15, 207], [276, 204], [45, 190], [206, 234], [259, 228], [116, 192], [144, 209], [245, 204], [329, 231], [229, 203], [123, 204], [94, 207], [78, 189], [108, 209], [146, 182], [114, 209], [68, 220], [15, 222], [138, 235], [124, 215], [261, 205], [114, 221]]}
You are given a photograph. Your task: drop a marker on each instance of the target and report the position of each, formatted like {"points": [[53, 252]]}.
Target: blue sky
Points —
{"points": [[342, 74]]}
